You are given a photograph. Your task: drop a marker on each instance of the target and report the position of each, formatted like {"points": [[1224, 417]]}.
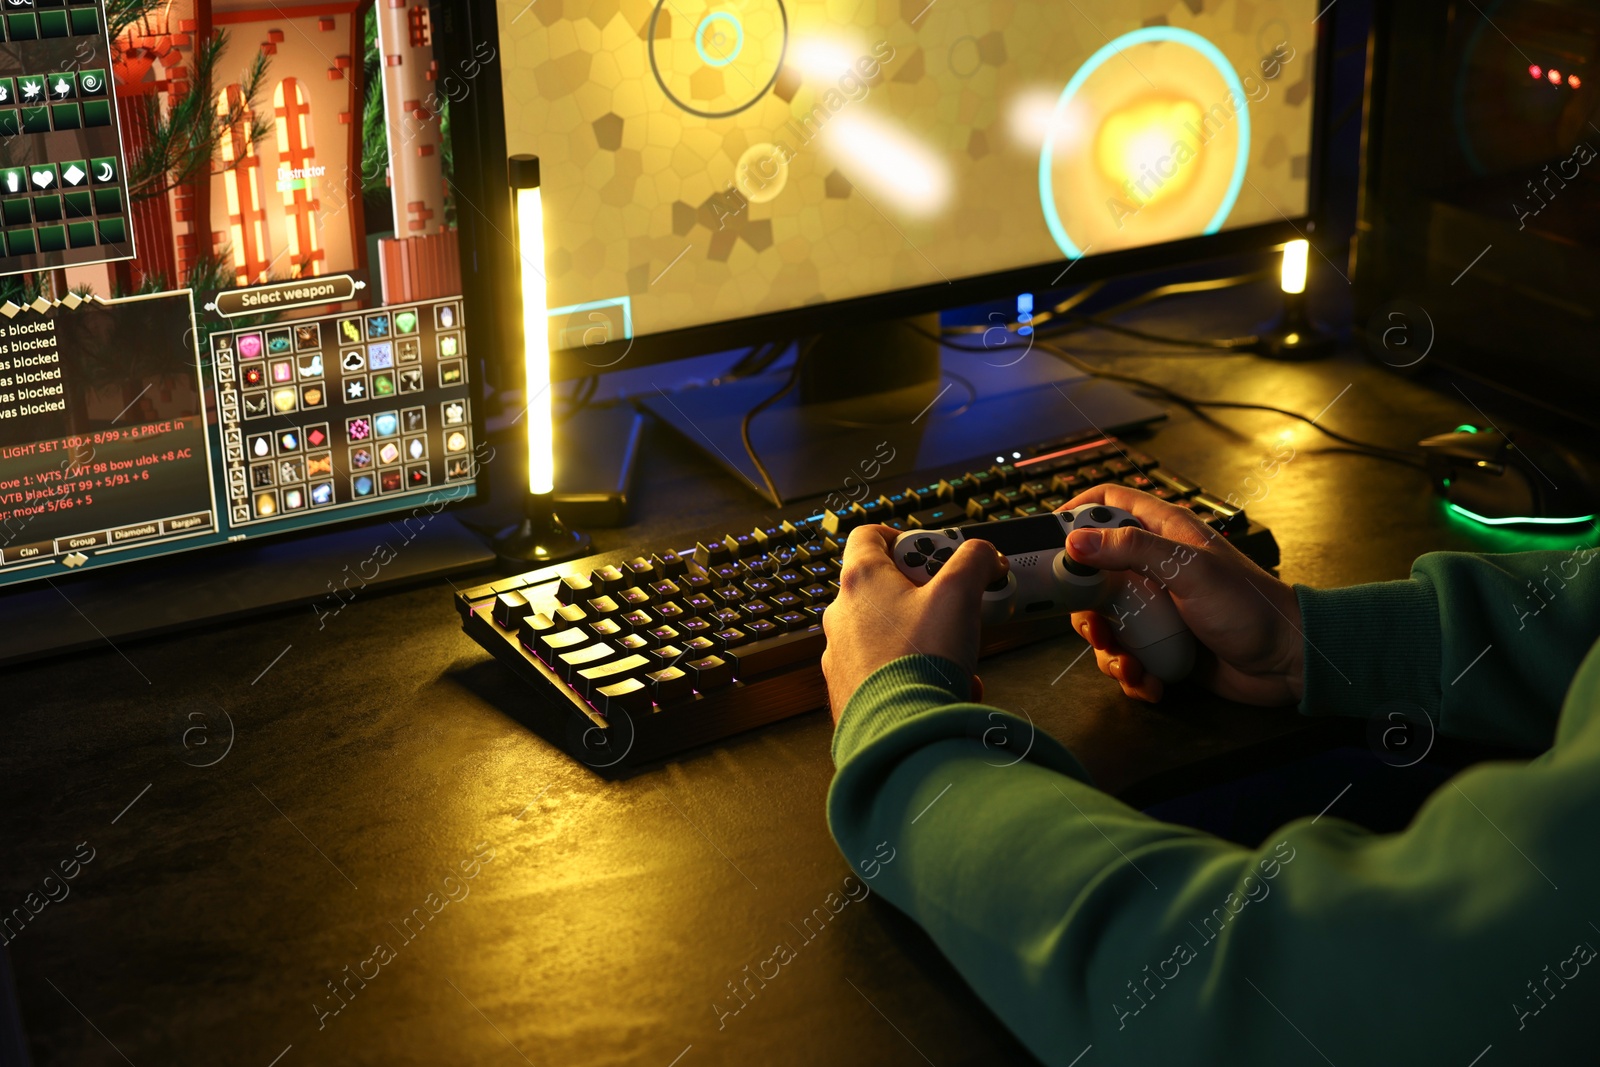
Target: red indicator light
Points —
{"points": [[1574, 81], [1537, 71], [1554, 76]]}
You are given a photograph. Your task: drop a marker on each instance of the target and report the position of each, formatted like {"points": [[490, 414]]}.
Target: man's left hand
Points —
{"points": [[880, 615]]}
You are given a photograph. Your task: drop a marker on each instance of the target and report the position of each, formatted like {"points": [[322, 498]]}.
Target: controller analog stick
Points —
{"points": [[1082, 570], [997, 586]]}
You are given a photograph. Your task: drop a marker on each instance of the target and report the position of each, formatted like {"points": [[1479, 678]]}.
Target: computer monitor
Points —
{"points": [[725, 172], [230, 295]]}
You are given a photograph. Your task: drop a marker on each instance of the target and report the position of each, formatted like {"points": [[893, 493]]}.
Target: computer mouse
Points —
{"points": [[1511, 480]]}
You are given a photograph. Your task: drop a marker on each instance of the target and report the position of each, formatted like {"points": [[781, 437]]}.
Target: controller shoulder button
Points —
{"points": [[923, 545], [914, 559], [952, 534]]}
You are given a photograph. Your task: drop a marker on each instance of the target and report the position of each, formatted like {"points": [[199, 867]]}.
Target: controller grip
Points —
{"points": [[1148, 625]]}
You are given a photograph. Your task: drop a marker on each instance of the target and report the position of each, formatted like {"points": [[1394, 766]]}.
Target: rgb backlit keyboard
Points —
{"points": [[636, 655]]}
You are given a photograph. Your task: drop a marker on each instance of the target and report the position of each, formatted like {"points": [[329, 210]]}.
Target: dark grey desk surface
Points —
{"points": [[371, 757]]}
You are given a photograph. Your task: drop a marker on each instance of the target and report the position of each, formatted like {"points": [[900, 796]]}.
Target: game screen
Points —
{"points": [[229, 282], [706, 160]]}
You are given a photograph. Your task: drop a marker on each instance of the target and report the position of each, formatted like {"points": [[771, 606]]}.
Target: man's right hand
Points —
{"points": [[1246, 618]]}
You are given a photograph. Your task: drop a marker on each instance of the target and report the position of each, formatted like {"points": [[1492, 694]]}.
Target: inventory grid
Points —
{"points": [[64, 197], [326, 413]]}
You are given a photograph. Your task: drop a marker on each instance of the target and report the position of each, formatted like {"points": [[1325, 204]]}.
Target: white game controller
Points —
{"points": [[1044, 580]]}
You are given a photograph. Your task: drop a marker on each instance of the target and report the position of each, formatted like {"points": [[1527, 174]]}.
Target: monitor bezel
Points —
{"points": [[487, 253]]}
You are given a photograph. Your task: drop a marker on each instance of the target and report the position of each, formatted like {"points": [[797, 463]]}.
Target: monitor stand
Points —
{"points": [[885, 400]]}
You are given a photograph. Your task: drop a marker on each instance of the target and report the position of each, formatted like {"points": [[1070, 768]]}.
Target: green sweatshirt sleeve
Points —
{"points": [[1485, 646], [1086, 925]]}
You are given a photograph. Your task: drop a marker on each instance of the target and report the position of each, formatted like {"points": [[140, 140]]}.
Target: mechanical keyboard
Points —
{"points": [[637, 654]]}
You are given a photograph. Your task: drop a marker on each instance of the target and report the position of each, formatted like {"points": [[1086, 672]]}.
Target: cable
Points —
{"points": [[582, 396], [1247, 343], [752, 362], [1365, 447], [749, 417], [1197, 406]]}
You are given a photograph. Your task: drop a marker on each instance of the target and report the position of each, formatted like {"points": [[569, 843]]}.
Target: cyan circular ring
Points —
{"points": [[700, 37], [1052, 218], [655, 67]]}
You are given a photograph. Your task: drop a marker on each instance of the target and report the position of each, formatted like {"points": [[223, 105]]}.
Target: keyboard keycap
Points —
{"points": [[708, 555], [633, 643], [667, 564], [665, 656], [669, 684], [797, 646], [608, 578], [535, 626], [603, 605], [669, 610], [710, 672], [761, 628], [629, 695], [548, 647], [790, 620], [574, 588], [936, 517], [979, 507], [568, 664], [696, 626], [571, 614], [1177, 483], [509, 609], [604, 628], [588, 679], [633, 597], [732, 637]]}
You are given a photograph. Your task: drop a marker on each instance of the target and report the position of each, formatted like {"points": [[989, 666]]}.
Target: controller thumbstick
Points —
{"points": [[1082, 570]]}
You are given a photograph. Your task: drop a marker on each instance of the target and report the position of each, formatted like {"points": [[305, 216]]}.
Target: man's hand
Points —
{"points": [[880, 615], [1249, 620]]}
